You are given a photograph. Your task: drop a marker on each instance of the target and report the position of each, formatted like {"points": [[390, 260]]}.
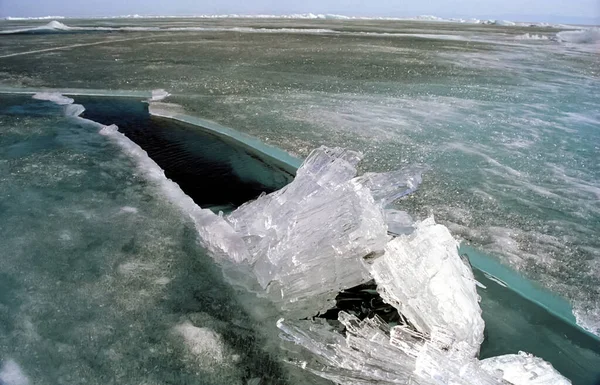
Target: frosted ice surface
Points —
{"points": [[523, 369], [11, 374], [54, 97], [307, 241], [423, 276]]}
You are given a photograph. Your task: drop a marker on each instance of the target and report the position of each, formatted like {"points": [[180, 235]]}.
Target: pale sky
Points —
{"points": [[522, 10]]}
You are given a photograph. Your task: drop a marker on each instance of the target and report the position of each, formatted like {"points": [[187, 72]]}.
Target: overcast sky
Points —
{"points": [[551, 10]]}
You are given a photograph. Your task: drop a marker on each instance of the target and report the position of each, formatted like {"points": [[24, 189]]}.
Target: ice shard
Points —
{"points": [[423, 276], [389, 186], [399, 222], [523, 369], [310, 239]]}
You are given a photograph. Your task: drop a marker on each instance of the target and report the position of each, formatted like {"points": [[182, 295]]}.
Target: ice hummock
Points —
{"points": [[310, 239], [327, 231]]}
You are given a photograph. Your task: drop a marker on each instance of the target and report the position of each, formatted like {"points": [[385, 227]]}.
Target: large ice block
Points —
{"points": [[309, 240], [423, 276]]}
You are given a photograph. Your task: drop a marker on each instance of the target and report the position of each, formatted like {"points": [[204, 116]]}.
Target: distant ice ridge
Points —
{"points": [[53, 26], [327, 230], [314, 16], [582, 36], [58, 27], [35, 18], [532, 36]]}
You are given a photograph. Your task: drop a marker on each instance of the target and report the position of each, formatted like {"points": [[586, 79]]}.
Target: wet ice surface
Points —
{"points": [[102, 280]]}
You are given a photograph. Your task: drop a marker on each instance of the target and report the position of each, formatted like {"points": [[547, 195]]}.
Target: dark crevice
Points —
{"points": [[362, 301], [215, 173]]}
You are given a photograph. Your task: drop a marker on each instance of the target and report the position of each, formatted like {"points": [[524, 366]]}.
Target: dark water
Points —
{"points": [[513, 323], [214, 173]]}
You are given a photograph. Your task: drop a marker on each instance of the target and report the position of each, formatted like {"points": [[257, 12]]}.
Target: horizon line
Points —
{"points": [[321, 16]]}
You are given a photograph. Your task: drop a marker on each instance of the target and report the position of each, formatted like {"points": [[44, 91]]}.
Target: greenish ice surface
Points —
{"points": [[101, 278], [506, 117]]}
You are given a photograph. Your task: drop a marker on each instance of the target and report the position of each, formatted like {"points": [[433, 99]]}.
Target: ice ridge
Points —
{"points": [[327, 230], [582, 36], [305, 16]]}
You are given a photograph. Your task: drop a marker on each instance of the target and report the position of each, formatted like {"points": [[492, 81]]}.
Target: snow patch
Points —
{"points": [[11, 374], [202, 343], [129, 209]]}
